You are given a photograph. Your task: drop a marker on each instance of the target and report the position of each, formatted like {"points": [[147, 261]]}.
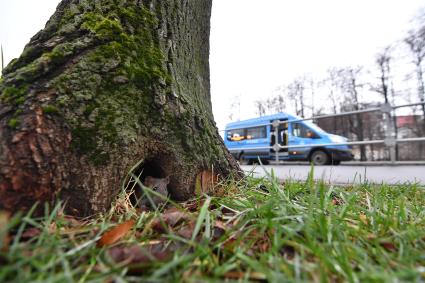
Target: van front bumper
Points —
{"points": [[341, 155]]}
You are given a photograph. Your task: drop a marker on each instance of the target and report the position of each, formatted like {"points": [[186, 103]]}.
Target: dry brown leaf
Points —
{"points": [[220, 224], [388, 246], [206, 182], [337, 201], [141, 256], [235, 274], [4, 235], [186, 231], [230, 244], [363, 218], [115, 234], [219, 229], [242, 275], [192, 206], [30, 233], [371, 237], [170, 218], [263, 246]]}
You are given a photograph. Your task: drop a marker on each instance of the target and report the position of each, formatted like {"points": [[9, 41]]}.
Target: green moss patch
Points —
{"points": [[13, 123]]}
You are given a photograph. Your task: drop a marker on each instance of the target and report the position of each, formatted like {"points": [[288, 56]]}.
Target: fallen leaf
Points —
{"points": [[186, 231], [4, 235], [231, 243], [263, 246], [336, 201], [141, 256], [206, 182], [371, 237], [192, 206], [170, 218], [388, 246], [242, 275], [220, 224], [53, 228], [30, 233], [115, 234], [235, 274], [219, 229], [363, 218]]}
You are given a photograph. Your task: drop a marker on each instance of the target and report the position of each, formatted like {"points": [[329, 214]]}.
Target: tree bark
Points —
{"points": [[105, 85]]}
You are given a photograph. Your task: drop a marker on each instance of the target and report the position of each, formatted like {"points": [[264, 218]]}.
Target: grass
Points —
{"points": [[259, 230]]}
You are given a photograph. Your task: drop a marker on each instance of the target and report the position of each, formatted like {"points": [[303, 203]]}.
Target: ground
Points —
{"points": [[257, 229]]}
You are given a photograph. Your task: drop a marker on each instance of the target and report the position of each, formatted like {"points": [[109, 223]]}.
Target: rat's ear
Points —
{"points": [[167, 179]]}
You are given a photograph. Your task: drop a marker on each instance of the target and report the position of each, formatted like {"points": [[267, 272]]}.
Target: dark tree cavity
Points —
{"points": [[106, 84]]}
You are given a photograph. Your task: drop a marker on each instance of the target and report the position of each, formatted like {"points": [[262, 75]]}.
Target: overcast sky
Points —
{"points": [[258, 45]]}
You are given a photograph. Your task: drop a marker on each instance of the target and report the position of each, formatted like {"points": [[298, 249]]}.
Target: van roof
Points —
{"points": [[263, 120]]}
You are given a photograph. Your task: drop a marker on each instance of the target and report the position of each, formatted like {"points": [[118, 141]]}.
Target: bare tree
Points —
{"points": [[385, 86], [296, 94], [235, 108], [280, 103], [383, 61], [312, 93], [332, 83], [280, 95], [260, 107], [349, 83], [416, 43], [270, 105]]}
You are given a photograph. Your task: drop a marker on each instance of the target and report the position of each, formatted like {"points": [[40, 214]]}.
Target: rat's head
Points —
{"points": [[153, 182]]}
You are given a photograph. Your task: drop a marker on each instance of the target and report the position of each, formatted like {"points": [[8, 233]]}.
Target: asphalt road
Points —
{"points": [[347, 174]]}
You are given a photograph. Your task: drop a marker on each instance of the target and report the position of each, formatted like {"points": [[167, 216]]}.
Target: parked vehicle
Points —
{"points": [[252, 139]]}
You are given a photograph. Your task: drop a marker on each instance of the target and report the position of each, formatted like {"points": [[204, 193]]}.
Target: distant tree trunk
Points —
{"points": [[105, 85], [335, 124], [359, 128]]}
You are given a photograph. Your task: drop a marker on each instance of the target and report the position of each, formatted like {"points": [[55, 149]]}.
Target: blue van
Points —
{"points": [[252, 139]]}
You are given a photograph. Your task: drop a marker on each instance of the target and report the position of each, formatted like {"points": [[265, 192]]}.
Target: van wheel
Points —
{"points": [[319, 157], [257, 162], [242, 160]]}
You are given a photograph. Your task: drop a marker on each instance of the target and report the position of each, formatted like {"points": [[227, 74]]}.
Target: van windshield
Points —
{"points": [[314, 127]]}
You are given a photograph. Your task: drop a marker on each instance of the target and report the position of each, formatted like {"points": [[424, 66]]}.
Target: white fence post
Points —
{"points": [[390, 139]]}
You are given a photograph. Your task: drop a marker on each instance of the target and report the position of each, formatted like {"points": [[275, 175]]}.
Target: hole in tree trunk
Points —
{"points": [[151, 168]]}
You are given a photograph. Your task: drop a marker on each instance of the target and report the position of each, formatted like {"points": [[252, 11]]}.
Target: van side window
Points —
{"points": [[236, 135], [256, 133], [301, 131]]}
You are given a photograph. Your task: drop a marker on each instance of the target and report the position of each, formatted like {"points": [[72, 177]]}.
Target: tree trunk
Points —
{"points": [[103, 87], [360, 136]]}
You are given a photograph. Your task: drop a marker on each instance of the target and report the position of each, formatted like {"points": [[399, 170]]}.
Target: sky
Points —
{"points": [[256, 46]]}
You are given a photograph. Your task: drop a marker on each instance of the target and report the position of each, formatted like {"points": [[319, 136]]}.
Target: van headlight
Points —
{"points": [[337, 139]]}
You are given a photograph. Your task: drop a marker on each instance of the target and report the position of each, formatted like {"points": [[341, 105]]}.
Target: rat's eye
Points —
{"points": [[155, 189]]}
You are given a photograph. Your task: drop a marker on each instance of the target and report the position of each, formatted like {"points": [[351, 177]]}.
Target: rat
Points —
{"points": [[158, 185]]}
